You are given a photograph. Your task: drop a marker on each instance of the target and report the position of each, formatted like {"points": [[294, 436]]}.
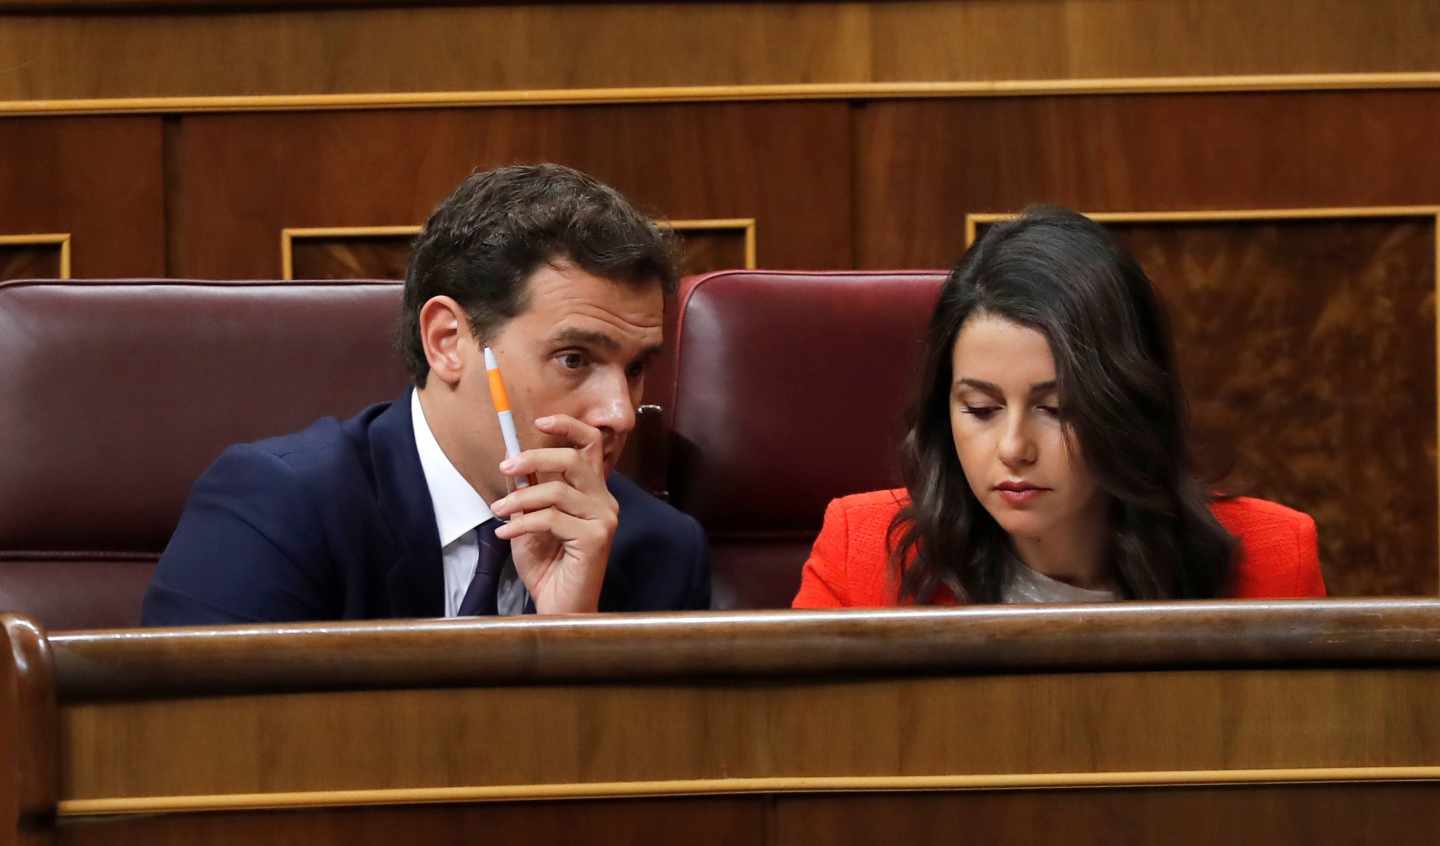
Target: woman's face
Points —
{"points": [[1021, 462]]}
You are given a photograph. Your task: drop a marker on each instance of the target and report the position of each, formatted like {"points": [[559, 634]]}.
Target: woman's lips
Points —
{"points": [[1019, 493]]}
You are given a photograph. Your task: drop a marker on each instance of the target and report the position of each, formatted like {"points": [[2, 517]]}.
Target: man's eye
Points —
{"points": [[635, 371], [980, 412], [572, 360]]}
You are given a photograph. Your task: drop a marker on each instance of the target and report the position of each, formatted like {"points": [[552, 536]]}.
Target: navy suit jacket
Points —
{"points": [[335, 523]]}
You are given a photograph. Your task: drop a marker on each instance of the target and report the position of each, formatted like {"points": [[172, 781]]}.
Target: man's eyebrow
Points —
{"points": [[585, 338], [591, 338]]}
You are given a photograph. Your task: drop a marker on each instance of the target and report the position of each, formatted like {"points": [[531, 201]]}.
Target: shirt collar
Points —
{"points": [[458, 508]]}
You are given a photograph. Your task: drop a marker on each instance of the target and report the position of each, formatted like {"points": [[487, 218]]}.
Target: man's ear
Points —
{"points": [[443, 328]]}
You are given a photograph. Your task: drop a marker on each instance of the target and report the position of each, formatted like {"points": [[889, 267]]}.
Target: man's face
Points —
{"points": [[580, 348]]}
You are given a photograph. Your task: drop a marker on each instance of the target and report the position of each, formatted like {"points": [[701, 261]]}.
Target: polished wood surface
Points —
{"points": [[1382, 815], [133, 48], [431, 653], [97, 179], [922, 166], [383, 252], [29, 732], [1130, 725], [242, 179], [1308, 351], [718, 821], [30, 261], [753, 724]]}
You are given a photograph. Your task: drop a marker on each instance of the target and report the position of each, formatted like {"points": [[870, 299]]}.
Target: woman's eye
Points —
{"points": [[1052, 410], [980, 412]]}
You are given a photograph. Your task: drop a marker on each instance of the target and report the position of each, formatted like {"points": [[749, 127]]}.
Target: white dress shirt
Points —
{"points": [[458, 510]]}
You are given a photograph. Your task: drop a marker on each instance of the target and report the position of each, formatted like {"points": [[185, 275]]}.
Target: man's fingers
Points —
{"points": [[552, 521], [565, 462], [571, 431], [554, 494]]}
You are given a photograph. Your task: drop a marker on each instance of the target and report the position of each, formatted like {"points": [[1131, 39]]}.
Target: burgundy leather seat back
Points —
{"points": [[789, 390], [118, 394]]}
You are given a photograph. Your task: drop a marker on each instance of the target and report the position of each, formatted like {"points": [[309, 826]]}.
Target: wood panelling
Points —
{"points": [[244, 178], [480, 47], [30, 260], [707, 248], [98, 179], [482, 652], [1377, 814], [1077, 39], [364, 253], [753, 727], [718, 821], [907, 726], [341, 256], [922, 166], [188, 49], [1308, 349]]}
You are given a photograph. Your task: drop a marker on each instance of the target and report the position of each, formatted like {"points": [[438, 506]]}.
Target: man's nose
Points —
{"points": [[614, 407]]}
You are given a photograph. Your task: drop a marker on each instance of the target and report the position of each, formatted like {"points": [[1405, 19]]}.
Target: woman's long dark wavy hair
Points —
{"points": [[1060, 273]]}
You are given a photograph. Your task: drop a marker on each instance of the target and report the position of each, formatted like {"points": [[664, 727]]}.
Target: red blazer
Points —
{"points": [[850, 564]]}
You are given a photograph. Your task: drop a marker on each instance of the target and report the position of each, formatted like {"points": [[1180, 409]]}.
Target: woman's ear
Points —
{"points": [[443, 327]]}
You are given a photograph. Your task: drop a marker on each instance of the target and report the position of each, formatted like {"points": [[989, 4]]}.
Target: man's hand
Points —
{"points": [[560, 530]]}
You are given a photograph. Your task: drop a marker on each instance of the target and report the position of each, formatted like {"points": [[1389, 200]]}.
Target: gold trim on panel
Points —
{"points": [[60, 238], [728, 93], [744, 224], [289, 234], [972, 220], [733, 786]]}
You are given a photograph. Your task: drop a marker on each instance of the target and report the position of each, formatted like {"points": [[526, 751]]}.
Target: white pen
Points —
{"points": [[501, 401]]}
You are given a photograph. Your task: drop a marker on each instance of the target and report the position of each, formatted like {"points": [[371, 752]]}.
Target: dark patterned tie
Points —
{"points": [[480, 597]]}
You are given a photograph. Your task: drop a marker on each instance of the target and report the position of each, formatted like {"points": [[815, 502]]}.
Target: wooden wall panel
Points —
{"points": [[1079, 39], [244, 178], [1308, 349], [350, 257], [462, 48], [1389, 814], [30, 261], [719, 821], [193, 49], [923, 165], [364, 254], [98, 179]]}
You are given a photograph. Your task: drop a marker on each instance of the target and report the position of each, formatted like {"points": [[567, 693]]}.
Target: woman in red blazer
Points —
{"points": [[1047, 457]]}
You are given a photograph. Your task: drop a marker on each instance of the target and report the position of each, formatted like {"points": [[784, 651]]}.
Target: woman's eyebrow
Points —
{"points": [[984, 387], [1037, 389]]}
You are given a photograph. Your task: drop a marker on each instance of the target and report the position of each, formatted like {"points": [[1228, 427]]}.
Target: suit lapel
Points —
{"points": [[615, 590], [415, 580]]}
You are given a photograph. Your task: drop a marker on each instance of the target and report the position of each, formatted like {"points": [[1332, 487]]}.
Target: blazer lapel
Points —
{"points": [[415, 580]]}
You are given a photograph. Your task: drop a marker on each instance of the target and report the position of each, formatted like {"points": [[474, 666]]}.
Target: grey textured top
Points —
{"points": [[1027, 585]]}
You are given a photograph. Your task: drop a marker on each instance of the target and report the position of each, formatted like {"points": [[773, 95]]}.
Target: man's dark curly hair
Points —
{"points": [[482, 243]]}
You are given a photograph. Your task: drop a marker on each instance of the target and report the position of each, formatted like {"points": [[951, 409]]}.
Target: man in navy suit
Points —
{"points": [[410, 509]]}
